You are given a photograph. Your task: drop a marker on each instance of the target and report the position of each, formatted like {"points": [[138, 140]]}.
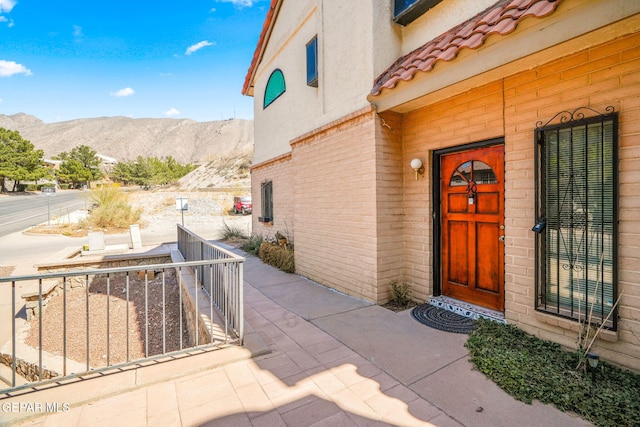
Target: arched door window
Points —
{"points": [[275, 87], [473, 172]]}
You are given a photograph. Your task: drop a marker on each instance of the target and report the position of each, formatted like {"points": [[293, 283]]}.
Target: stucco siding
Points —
{"points": [[439, 20], [345, 68], [287, 116]]}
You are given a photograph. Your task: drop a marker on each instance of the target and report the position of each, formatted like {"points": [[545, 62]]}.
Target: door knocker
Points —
{"points": [[472, 190]]}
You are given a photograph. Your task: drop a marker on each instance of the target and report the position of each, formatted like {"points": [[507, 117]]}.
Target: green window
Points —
{"points": [[275, 87]]}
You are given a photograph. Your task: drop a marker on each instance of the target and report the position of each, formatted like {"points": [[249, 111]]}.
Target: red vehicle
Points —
{"points": [[242, 205]]}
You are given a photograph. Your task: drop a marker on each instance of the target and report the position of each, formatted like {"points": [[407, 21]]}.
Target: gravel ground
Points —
{"points": [[207, 213], [108, 320]]}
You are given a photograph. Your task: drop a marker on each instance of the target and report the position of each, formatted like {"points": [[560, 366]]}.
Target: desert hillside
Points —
{"points": [[124, 138]]}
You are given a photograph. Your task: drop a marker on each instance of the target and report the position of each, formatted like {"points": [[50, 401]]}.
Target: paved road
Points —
{"points": [[18, 212]]}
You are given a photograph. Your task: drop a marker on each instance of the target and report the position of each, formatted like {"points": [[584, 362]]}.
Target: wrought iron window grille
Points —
{"points": [[576, 198]]}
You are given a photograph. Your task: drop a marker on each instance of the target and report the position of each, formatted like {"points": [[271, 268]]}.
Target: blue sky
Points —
{"points": [[69, 59]]}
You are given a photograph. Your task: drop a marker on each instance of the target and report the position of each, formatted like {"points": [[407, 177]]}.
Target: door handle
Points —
{"points": [[501, 238]]}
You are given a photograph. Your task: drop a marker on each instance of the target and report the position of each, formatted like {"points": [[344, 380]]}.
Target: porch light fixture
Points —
{"points": [[416, 165]]}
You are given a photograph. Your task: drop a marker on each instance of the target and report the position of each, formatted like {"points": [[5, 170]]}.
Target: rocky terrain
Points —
{"points": [[124, 138]]}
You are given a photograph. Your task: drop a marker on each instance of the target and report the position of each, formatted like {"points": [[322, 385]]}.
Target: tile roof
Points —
{"points": [[264, 35], [502, 18]]}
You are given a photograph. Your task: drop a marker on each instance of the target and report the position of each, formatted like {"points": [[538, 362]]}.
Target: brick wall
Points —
{"points": [[389, 203], [473, 116], [604, 75], [280, 173], [335, 206], [362, 219]]}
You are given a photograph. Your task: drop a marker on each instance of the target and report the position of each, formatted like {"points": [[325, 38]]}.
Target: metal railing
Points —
{"points": [[222, 280], [92, 320]]}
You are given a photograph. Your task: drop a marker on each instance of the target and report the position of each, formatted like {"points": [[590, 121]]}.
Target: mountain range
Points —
{"points": [[124, 138]]}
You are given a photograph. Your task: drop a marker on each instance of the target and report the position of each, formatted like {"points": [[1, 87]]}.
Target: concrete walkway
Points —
{"points": [[332, 360]]}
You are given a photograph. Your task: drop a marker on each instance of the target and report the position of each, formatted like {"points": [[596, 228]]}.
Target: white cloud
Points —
{"points": [[77, 31], [6, 5], [171, 112], [127, 91], [9, 68], [239, 3], [193, 48]]}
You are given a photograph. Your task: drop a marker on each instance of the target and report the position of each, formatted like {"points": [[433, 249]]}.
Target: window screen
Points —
{"points": [[577, 200]]}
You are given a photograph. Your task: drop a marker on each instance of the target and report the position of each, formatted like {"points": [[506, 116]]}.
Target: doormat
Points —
{"points": [[443, 320]]}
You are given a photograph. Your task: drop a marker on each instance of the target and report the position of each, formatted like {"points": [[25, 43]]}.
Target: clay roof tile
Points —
{"points": [[502, 18], [504, 26]]}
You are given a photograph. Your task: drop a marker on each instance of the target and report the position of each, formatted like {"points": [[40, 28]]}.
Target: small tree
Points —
{"points": [[73, 171], [19, 160], [81, 164], [149, 171]]}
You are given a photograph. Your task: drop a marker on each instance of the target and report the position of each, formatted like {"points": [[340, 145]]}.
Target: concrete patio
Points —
{"points": [[313, 357]]}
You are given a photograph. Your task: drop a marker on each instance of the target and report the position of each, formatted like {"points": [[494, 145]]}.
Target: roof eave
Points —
{"points": [[267, 27]]}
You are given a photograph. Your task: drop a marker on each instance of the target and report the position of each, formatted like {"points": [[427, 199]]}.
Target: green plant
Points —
{"points": [[231, 233], [252, 244], [529, 368], [400, 293]]}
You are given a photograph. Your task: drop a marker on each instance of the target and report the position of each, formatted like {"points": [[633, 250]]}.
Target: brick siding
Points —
{"points": [[362, 219], [280, 173], [604, 75]]}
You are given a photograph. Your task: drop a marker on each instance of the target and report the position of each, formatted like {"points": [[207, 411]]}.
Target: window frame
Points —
{"points": [[270, 87], [405, 14], [551, 225], [311, 49], [266, 201]]}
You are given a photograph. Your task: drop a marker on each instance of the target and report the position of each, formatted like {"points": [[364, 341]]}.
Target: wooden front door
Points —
{"points": [[472, 203]]}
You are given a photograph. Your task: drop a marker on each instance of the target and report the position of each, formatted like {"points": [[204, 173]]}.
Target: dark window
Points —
{"points": [[407, 11], [312, 62], [267, 202], [576, 204], [275, 88]]}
